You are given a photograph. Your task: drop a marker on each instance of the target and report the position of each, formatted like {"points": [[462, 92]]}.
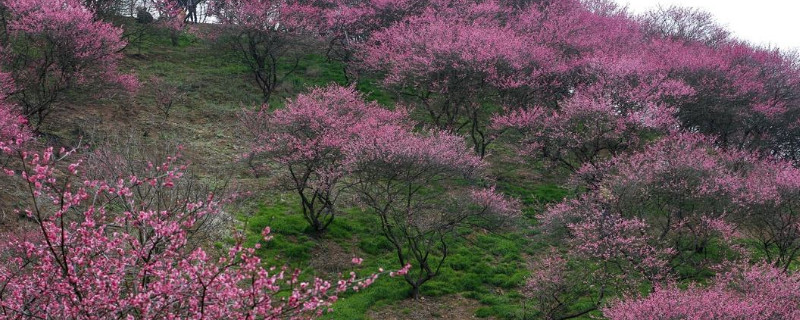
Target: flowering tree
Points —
{"points": [[757, 292], [460, 61], [13, 126], [12, 132], [742, 94], [309, 139], [553, 286], [53, 47], [349, 24], [608, 254], [171, 17], [684, 24], [86, 258], [671, 58], [578, 35], [452, 61], [677, 210], [770, 190], [118, 156], [651, 217], [267, 33], [584, 131], [681, 189], [411, 181]]}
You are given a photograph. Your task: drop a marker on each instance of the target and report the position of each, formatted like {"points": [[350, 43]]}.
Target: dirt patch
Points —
{"points": [[330, 258], [447, 307]]}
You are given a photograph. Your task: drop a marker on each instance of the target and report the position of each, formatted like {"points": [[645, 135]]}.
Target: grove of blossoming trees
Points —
{"points": [[331, 144], [51, 47], [675, 146]]}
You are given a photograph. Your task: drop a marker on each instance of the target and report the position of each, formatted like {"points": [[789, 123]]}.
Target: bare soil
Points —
{"points": [[446, 307]]}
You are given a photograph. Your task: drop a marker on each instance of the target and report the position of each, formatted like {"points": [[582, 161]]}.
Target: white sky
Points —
{"points": [[762, 22]]}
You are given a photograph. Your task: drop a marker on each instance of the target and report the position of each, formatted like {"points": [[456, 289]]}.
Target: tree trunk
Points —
{"points": [[415, 291]]}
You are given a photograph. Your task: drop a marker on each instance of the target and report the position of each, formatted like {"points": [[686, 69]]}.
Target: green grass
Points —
{"points": [[290, 243], [484, 266]]}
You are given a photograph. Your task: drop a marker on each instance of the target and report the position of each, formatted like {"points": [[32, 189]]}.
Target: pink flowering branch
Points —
{"points": [[84, 258], [754, 292]]}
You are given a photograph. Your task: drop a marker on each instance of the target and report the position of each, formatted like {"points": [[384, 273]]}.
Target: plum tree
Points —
{"points": [[310, 139], [49, 49]]}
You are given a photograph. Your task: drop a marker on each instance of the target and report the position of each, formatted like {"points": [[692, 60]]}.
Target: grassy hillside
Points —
{"points": [[482, 276]]}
